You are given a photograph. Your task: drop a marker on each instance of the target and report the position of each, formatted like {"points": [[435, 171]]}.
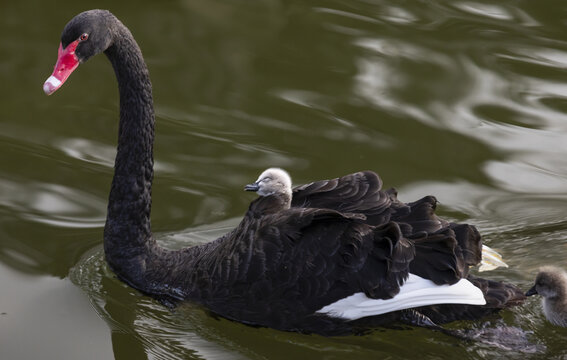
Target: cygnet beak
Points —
{"points": [[252, 187], [531, 291]]}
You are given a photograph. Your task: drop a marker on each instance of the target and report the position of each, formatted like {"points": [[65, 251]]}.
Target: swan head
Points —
{"points": [[273, 181], [87, 34], [550, 282]]}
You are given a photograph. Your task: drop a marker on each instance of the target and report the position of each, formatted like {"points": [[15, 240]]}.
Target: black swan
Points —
{"points": [[551, 284], [344, 255]]}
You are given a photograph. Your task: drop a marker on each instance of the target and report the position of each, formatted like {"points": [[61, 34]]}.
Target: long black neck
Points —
{"points": [[127, 233]]}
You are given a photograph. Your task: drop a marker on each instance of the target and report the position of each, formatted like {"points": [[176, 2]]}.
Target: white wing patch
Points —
{"points": [[415, 292]]}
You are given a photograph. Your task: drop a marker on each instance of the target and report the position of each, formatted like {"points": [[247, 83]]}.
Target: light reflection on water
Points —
{"points": [[53, 204]]}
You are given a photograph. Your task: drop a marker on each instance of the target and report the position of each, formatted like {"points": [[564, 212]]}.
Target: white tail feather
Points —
{"points": [[415, 292]]}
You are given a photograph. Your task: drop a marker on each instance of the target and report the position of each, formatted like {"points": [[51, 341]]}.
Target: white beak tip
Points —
{"points": [[51, 84]]}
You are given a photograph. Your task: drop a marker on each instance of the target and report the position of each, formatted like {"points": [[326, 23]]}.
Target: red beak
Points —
{"points": [[67, 61]]}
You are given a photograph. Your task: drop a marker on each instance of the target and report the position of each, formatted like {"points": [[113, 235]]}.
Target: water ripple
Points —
{"points": [[88, 150], [488, 10], [53, 204], [94, 152], [549, 57], [187, 332]]}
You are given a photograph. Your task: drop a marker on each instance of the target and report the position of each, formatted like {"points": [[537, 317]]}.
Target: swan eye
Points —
{"points": [[84, 37]]}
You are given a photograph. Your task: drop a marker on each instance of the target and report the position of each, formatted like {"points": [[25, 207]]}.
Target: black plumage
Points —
{"points": [[280, 265]]}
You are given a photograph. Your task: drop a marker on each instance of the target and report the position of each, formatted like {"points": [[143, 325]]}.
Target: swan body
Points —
{"points": [[324, 258], [551, 284]]}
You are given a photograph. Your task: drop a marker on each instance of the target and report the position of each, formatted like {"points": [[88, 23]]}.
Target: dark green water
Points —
{"points": [[466, 100]]}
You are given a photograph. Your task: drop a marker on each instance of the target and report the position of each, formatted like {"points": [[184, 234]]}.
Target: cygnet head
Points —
{"points": [[273, 181], [550, 282]]}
